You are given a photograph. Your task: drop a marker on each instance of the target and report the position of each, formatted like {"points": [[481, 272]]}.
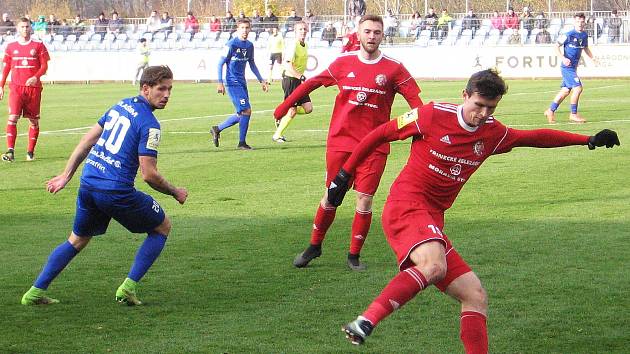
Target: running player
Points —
{"points": [[126, 137], [238, 52], [569, 47], [450, 142], [295, 59], [27, 60], [367, 80]]}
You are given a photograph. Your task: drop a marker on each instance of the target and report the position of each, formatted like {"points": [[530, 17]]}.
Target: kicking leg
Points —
{"points": [[468, 291]]}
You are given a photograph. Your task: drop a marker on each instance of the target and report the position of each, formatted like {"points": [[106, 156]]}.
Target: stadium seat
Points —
{"points": [[264, 35], [148, 36], [47, 38], [71, 38], [186, 36], [199, 36], [523, 33], [159, 37], [58, 38]]}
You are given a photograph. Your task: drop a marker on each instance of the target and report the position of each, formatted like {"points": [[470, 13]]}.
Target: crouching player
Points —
{"points": [[125, 138], [449, 144]]}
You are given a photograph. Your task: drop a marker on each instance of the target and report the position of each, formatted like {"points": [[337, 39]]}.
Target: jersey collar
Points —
{"points": [[144, 101], [366, 61], [460, 120]]}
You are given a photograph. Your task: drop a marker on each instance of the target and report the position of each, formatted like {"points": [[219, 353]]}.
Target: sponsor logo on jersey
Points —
{"points": [[407, 118], [381, 79], [456, 169], [153, 141], [446, 140], [33, 52], [15, 52], [24, 62], [351, 74], [478, 148], [361, 96]]}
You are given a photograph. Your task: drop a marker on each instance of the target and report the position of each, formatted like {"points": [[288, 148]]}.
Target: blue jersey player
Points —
{"points": [[125, 138], [570, 47], [238, 52]]}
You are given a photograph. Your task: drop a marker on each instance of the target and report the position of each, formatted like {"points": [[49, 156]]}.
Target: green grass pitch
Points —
{"points": [[546, 230]]}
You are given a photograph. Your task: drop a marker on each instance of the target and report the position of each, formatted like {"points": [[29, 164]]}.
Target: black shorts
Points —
{"points": [[289, 84], [277, 57]]}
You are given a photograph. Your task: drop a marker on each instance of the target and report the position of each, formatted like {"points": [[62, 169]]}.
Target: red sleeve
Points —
{"points": [[302, 90], [400, 128], [408, 87], [540, 138], [5, 74], [43, 66]]}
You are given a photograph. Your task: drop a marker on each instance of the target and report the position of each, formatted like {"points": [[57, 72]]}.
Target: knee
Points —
{"points": [[164, 228], [34, 123], [476, 298], [364, 202]]}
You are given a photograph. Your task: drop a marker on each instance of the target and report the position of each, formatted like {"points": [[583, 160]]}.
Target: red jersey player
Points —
{"points": [[351, 42], [27, 60], [368, 82], [450, 142]]}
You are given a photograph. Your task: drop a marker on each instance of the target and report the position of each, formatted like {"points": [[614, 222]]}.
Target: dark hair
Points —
{"points": [[243, 20], [580, 15], [487, 83], [24, 19], [142, 40], [374, 18], [153, 75]]}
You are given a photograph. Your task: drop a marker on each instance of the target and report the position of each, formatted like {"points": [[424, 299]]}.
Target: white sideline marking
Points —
{"points": [[72, 131]]}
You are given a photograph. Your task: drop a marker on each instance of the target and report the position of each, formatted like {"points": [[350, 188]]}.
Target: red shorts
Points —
{"points": [[367, 175], [407, 226], [25, 101]]}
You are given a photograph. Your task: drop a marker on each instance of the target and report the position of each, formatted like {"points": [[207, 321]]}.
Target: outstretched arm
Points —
{"points": [[57, 183], [550, 138]]}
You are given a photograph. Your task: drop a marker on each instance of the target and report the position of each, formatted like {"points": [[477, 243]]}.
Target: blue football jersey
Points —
{"points": [[573, 42], [237, 54], [130, 130]]}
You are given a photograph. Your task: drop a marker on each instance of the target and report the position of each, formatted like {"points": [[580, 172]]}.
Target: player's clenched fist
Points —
{"points": [[338, 188], [605, 137]]}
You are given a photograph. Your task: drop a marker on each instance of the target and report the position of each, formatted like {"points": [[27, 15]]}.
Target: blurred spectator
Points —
{"points": [[64, 28], [497, 21], [275, 47], [527, 20], [153, 22], [390, 23], [356, 8], [541, 20], [510, 20], [39, 27], [430, 22], [191, 25], [444, 24], [329, 33], [241, 15], [543, 36], [350, 41], [415, 24], [166, 23], [312, 23], [115, 25], [614, 27], [257, 23], [215, 26], [470, 22], [270, 20], [53, 24], [229, 22], [101, 24], [6, 26], [291, 20], [79, 27], [589, 27], [515, 38]]}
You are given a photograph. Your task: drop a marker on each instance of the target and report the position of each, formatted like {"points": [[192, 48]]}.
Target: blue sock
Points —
{"points": [[554, 106], [57, 261], [230, 121], [147, 254], [574, 108], [243, 126]]}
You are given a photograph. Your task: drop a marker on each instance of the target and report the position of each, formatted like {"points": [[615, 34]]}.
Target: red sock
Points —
{"points": [[323, 219], [11, 135], [474, 333], [33, 133], [360, 229], [402, 288]]}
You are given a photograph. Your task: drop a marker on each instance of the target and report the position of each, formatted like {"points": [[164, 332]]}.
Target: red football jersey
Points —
{"points": [[25, 59], [366, 95], [351, 43], [446, 151]]}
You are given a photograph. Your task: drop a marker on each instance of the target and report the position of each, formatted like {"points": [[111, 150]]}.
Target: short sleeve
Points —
{"points": [[150, 136]]}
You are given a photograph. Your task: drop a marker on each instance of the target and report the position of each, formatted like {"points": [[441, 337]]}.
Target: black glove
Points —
{"points": [[338, 188], [302, 78], [606, 138]]}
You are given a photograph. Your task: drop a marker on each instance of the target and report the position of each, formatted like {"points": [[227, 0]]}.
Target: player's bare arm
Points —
{"points": [[220, 88], [560, 52], [151, 175], [79, 154]]}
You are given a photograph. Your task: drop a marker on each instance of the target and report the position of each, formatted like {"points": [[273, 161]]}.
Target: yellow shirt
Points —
{"points": [[297, 54], [275, 43]]}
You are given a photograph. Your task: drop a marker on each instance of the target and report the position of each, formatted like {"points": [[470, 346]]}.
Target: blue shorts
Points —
{"points": [[570, 78], [136, 211], [239, 96]]}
